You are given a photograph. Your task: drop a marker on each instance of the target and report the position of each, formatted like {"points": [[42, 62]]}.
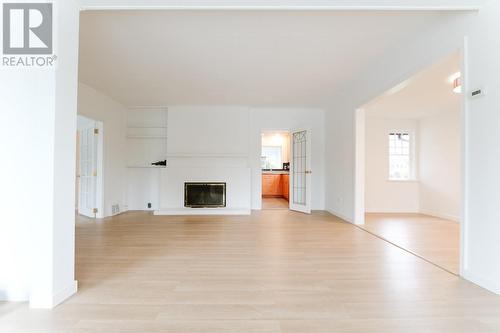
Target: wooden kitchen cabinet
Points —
{"points": [[271, 185], [286, 186], [275, 185]]}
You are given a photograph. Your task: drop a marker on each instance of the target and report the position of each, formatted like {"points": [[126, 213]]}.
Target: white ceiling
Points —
{"points": [[427, 93], [255, 58]]}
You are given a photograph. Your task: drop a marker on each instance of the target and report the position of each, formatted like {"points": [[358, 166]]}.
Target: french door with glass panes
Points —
{"points": [[88, 172], [300, 172]]}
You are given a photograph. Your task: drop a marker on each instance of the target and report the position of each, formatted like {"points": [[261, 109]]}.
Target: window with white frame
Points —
{"points": [[400, 155]]}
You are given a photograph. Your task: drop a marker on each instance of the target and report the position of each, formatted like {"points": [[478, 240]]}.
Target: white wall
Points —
{"points": [[146, 144], [482, 242], [26, 194], [231, 136], [436, 189], [481, 215], [97, 106], [440, 165], [381, 194], [206, 143], [340, 162], [207, 130]]}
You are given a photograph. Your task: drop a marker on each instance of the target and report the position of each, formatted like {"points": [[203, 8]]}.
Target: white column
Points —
{"points": [[37, 141]]}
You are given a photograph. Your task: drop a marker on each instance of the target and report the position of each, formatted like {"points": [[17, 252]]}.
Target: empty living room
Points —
{"points": [[270, 166]]}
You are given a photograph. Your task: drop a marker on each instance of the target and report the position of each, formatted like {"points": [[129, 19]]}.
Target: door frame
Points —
{"points": [[289, 131], [270, 130]]}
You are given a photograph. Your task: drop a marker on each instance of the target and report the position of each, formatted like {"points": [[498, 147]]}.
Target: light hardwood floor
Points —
{"points": [[274, 271], [435, 239], [275, 203]]}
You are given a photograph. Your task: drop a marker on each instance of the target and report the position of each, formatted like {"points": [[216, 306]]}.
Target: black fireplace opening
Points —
{"points": [[204, 195]]}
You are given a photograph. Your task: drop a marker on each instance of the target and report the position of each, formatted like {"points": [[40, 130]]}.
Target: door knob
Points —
{"points": [[308, 172]]}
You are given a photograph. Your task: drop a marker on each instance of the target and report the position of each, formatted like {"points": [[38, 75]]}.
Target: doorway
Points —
{"points": [[275, 166], [89, 168], [409, 164], [286, 170]]}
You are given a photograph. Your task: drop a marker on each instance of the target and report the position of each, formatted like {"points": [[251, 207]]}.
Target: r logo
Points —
{"points": [[27, 28]]}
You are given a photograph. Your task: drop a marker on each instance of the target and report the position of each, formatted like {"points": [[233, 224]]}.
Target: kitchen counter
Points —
{"points": [[275, 172]]}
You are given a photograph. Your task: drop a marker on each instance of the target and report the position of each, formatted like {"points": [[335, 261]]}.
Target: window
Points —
{"points": [[271, 158], [400, 156]]}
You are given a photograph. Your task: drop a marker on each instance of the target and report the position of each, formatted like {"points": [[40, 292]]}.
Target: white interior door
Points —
{"points": [[300, 172], [87, 201]]}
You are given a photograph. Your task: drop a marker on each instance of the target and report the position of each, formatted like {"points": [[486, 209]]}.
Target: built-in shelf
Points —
{"points": [[146, 137]]}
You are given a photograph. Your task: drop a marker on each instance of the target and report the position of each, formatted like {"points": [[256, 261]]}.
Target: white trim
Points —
{"points": [[464, 225], [340, 216], [100, 171], [65, 293], [394, 211], [55, 299], [202, 211], [359, 166], [444, 216], [493, 286], [123, 212]]}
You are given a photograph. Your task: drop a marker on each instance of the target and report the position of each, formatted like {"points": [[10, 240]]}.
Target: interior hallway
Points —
{"points": [[433, 238], [274, 271]]}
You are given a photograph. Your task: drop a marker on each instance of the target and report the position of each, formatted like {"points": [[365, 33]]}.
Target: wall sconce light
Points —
{"points": [[457, 85], [456, 81]]}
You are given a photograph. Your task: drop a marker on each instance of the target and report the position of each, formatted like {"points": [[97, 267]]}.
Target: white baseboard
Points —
{"points": [[203, 211], [51, 301], [441, 215], [119, 213], [491, 285], [65, 293], [408, 211], [340, 216], [14, 295]]}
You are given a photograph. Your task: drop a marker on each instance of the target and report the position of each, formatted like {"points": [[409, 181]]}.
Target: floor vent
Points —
{"points": [[115, 209]]}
